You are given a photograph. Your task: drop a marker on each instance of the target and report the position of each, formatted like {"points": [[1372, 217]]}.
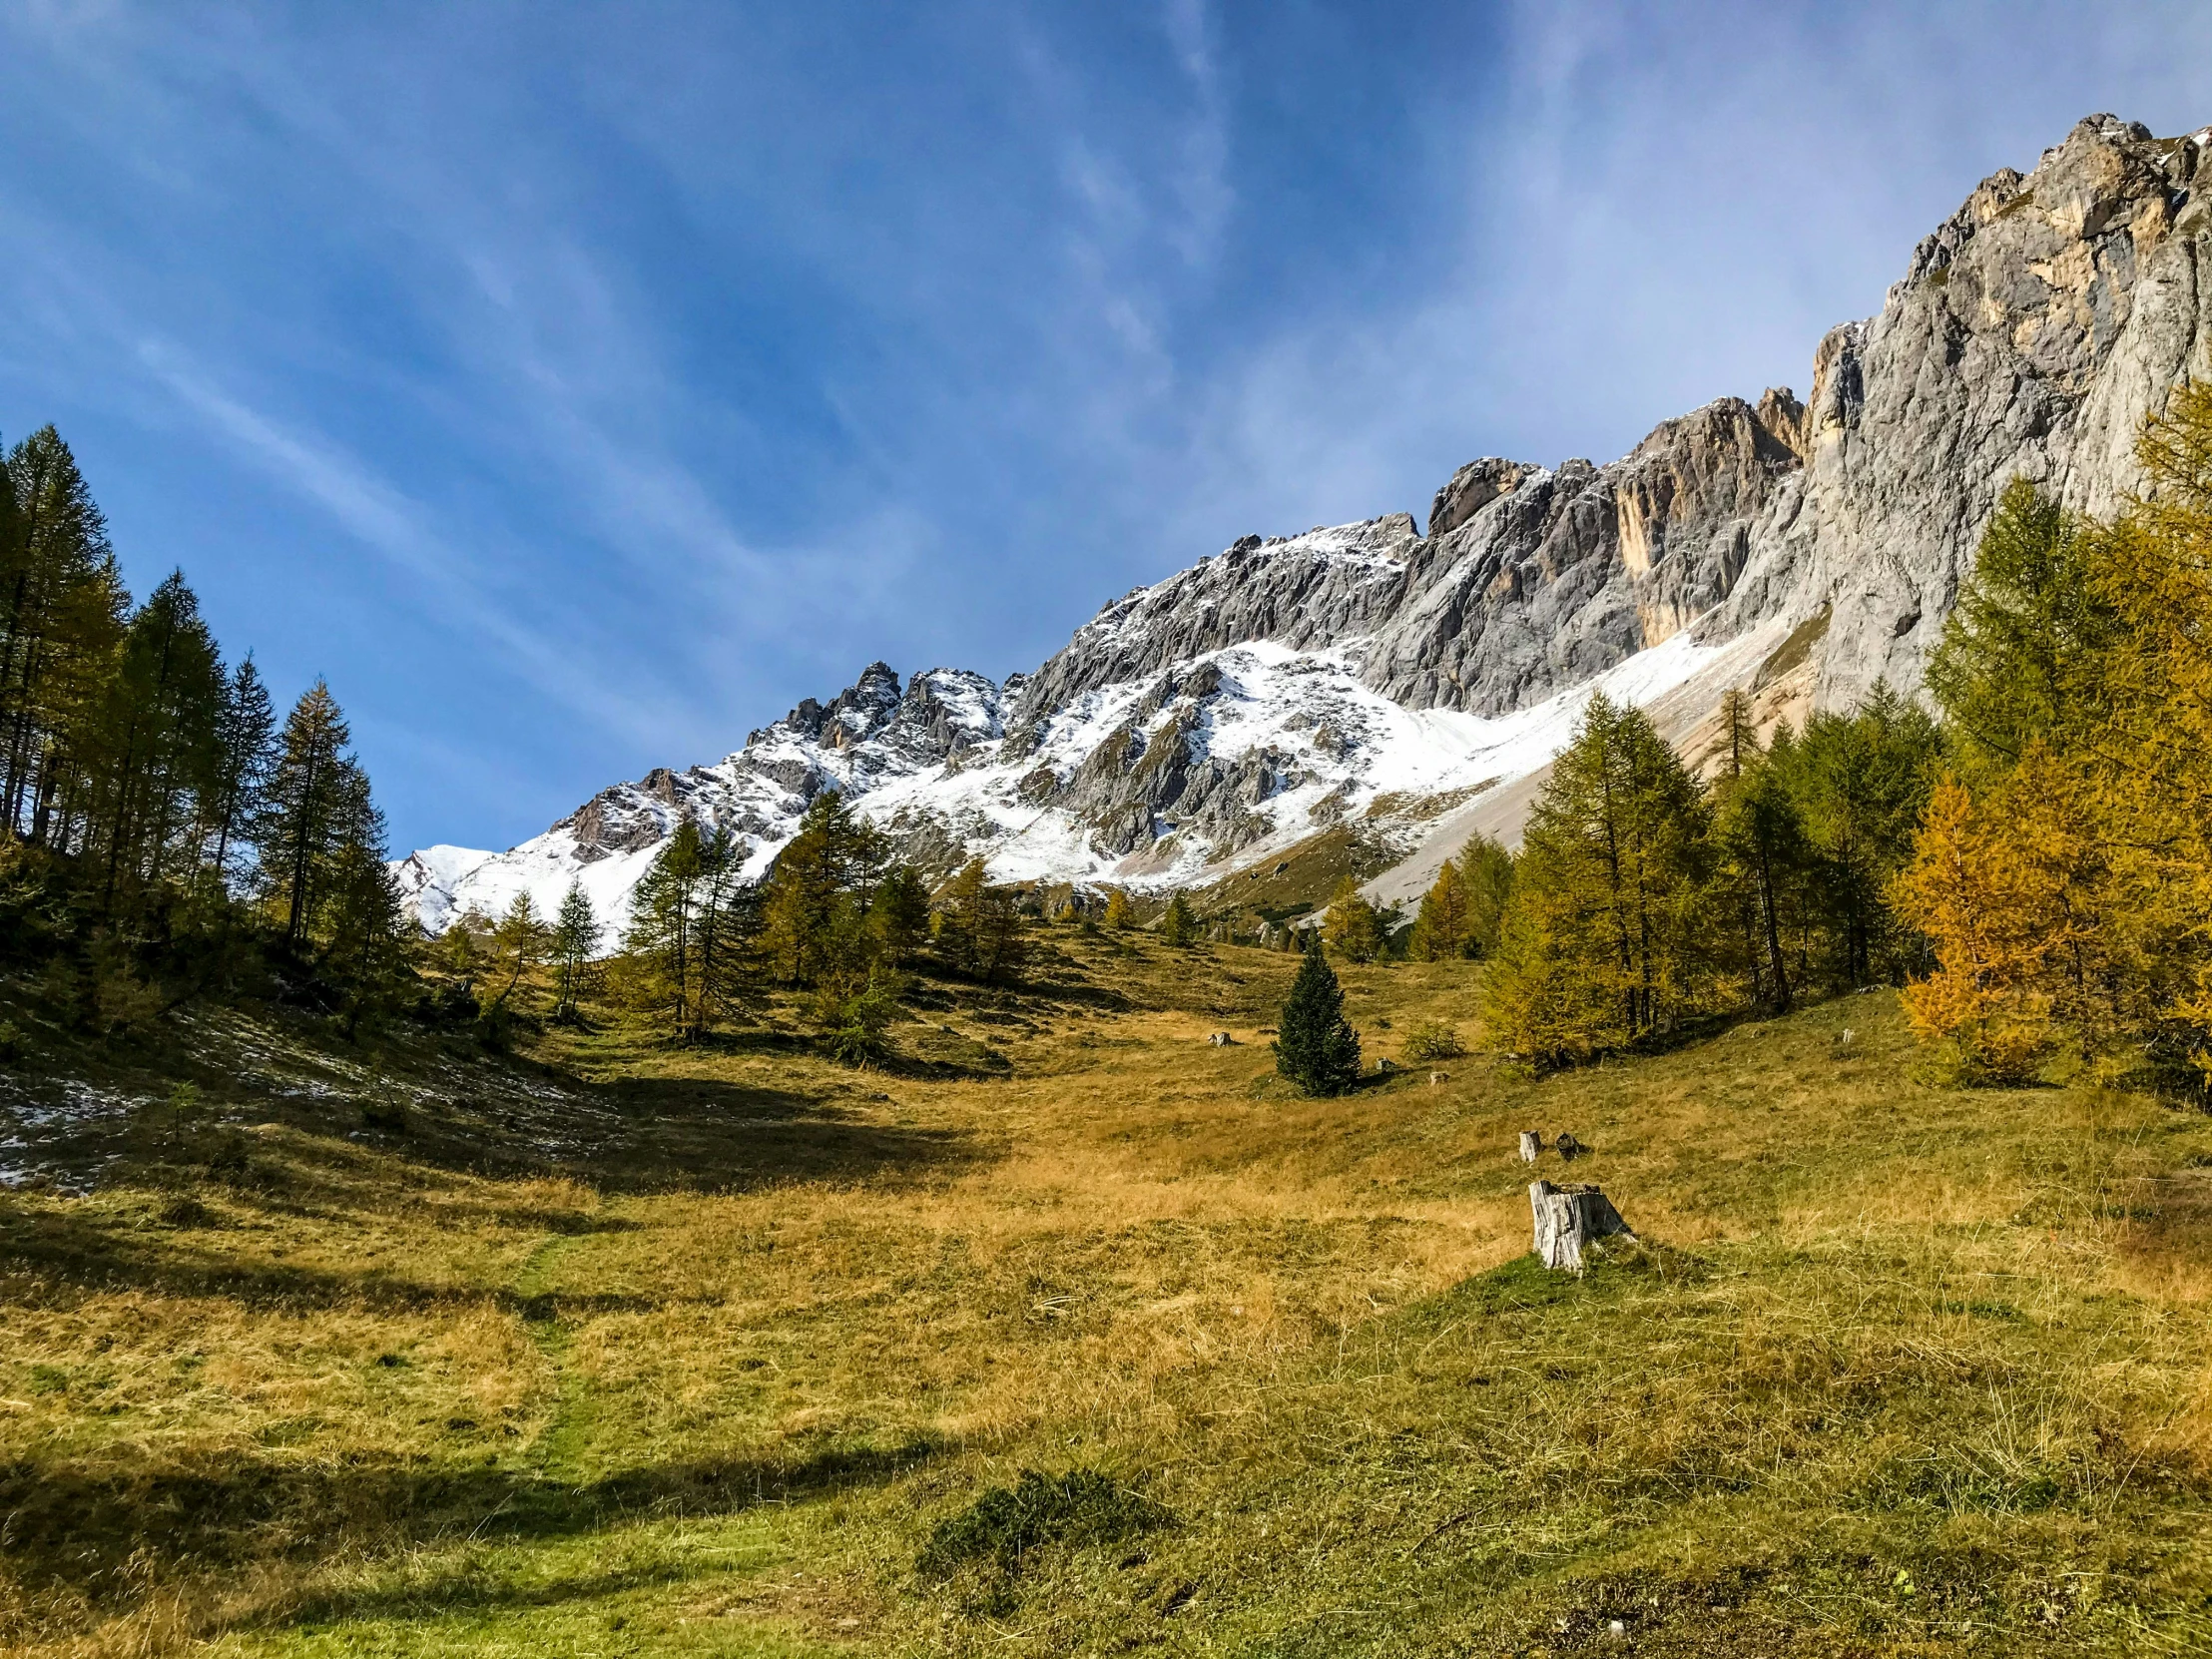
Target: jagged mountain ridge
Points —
{"points": [[1371, 671]]}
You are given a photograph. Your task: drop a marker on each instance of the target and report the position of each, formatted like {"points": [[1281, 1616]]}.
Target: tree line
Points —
{"points": [[151, 807], [837, 920], [1643, 898]]}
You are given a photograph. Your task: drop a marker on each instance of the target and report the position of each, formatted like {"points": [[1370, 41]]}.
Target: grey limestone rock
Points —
{"points": [[2030, 334]]}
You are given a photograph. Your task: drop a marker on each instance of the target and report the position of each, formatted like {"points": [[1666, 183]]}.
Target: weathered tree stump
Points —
{"points": [[1531, 1143], [1568, 1147], [1568, 1217]]}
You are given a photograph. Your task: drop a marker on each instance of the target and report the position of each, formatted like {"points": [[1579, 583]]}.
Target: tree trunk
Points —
{"points": [[1531, 1143], [1568, 1217]]}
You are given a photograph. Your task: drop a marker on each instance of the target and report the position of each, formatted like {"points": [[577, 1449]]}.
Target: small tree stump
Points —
{"points": [[1221, 1039], [1531, 1143], [1568, 1147], [1568, 1217]]}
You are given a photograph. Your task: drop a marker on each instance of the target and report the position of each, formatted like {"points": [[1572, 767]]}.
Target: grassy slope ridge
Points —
{"points": [[622, 1349]]}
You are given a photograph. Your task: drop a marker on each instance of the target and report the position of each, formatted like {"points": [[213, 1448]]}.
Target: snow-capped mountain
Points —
{"points": [[1413, 686]]}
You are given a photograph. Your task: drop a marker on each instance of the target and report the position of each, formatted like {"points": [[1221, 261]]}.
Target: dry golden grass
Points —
{"points": [[661, 1350]]}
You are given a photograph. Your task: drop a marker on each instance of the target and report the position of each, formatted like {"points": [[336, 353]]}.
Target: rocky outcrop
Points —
{"points": [[1307, 591], [1473, 487], [2032, 332], [1575, 569]]}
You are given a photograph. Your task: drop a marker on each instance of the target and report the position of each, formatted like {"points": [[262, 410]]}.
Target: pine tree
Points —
{"points": [[898, 914], [1178, 925], [2064, 878], [1862, 781], [316, 797], [729, 928], [357, 923], [693, 933], [460, 947], [1763, 855], [979, 930], [1537, 1003], [1487, 871], [815, 910], [154, 747], [662, 942], [520, 943], [1606, 939], [246, 732], [1440, 930], [1354, 928], [575, 946], [60, 617], [363, 928], [2022, 652], [1315, 1045]]}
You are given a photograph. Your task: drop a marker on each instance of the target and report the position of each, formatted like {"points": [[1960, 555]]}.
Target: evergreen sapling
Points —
{"points": [[1315, 1047]]}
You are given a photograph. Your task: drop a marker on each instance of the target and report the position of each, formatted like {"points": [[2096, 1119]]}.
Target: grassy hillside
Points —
{"points": [[617, 1349]]}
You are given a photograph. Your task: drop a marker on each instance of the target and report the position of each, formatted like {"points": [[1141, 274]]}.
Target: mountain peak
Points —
{"points": [[1370, 681]]}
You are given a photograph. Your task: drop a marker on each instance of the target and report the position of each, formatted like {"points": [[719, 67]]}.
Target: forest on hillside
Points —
{"points": [[162, 832]]}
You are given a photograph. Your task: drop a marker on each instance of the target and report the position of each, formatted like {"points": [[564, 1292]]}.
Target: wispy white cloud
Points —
{"points": [[380, 518], [676, 380]]}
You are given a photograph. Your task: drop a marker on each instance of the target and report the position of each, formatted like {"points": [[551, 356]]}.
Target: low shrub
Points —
{"points": [[1434, 1041], [1007, 1522]]}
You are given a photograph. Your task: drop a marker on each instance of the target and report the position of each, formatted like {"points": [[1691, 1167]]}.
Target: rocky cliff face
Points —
{"points": [[1349, 674], [2033, 330]]}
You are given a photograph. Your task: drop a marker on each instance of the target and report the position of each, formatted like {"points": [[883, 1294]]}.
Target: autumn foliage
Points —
{"points": [[2063, 875]]}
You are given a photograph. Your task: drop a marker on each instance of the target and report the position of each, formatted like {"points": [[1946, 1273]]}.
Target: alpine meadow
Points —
{"points": [[1624, 1070]]}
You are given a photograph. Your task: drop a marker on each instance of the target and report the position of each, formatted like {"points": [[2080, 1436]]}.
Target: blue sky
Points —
{"points": [[577, 386]]}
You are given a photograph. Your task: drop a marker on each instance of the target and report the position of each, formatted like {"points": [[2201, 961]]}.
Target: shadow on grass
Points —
{"points": [[468, 1591], [45, 1255], [94, 1528], [700, 1135], [657, 1134]]}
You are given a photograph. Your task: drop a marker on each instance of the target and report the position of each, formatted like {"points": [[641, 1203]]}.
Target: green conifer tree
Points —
{"points": [[1760, 837], [359, 925], [316, 799], [1315, 1045], [575, 946], [1355, 930], [1487, 871], [692, 932], [979, 929], [898, 914], [1178, 924], [813, 912], [154, 748], [520, 943], [1440, 930], [246, 733], [1606, 936], [1861, 783], [61, 606], [662, 941], [2023, 652]]}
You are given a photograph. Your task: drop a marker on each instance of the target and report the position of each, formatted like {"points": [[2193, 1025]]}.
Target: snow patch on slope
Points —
{"points": [[1266, 745]]}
